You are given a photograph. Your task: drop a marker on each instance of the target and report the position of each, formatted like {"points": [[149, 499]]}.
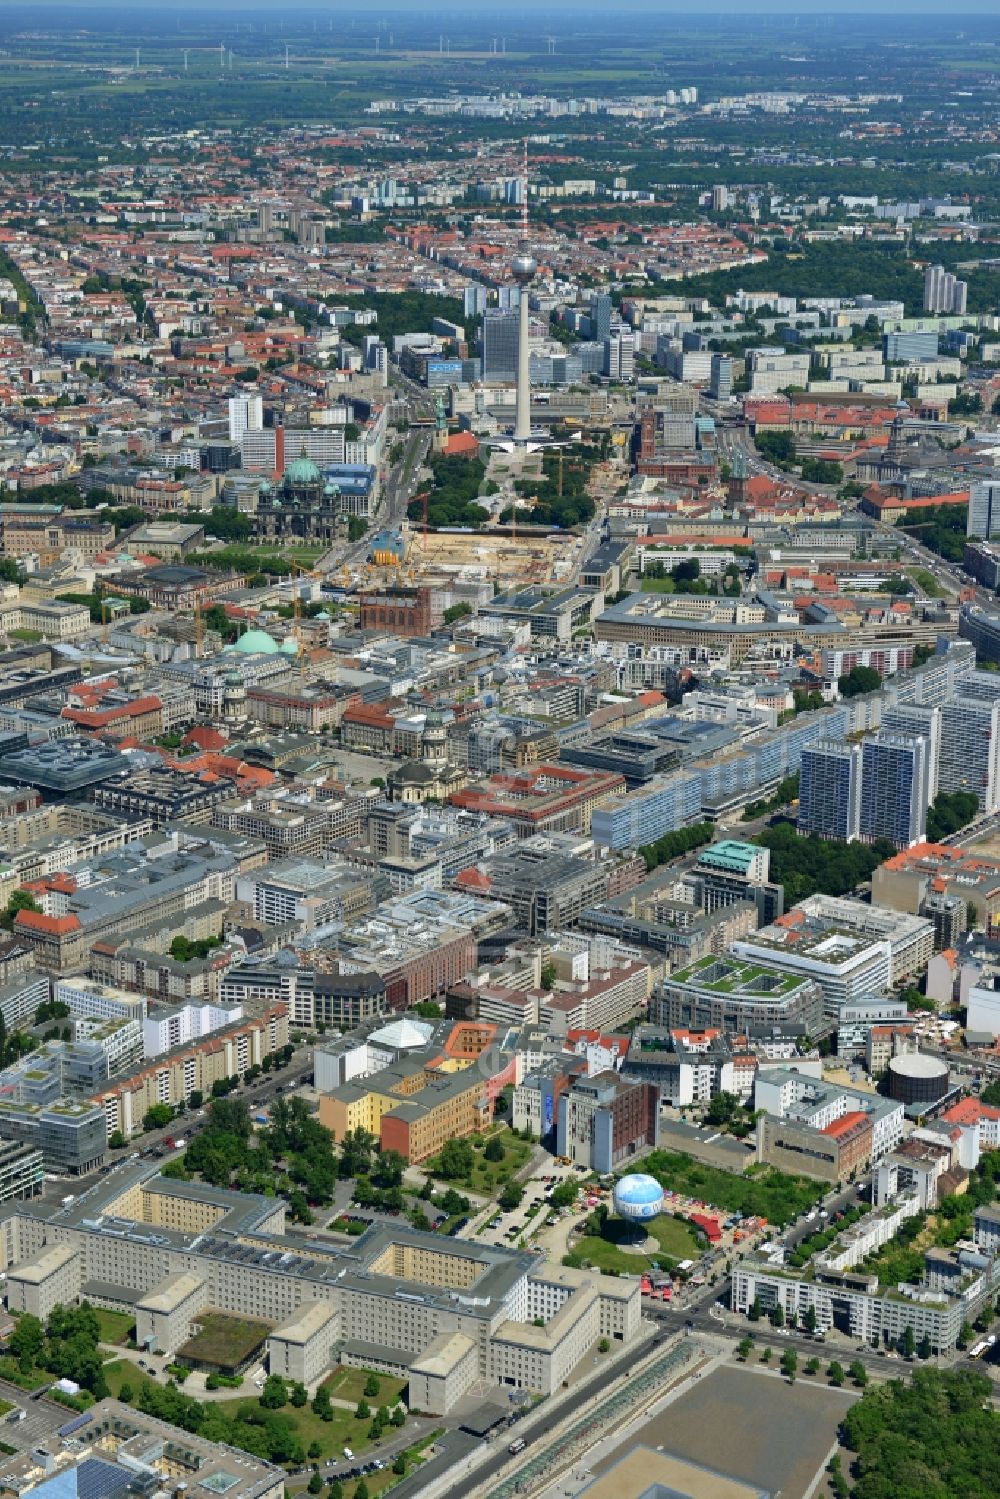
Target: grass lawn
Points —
{"points": [[121, 1371], [116, 1327], [676, 1239], [345, 1430], [486, 1176], [349, 1384], [10, 1371], [223, 1340], [927, 581], [772, 1194], [657, 585], [5, 1406]]}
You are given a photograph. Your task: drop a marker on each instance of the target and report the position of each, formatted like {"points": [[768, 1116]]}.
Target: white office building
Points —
{"points": [[246, 414], [175, 1025]]}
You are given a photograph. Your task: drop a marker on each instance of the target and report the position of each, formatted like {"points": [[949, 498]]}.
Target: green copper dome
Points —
{"points": [[290, 646], [256, 643], [302, 471]]}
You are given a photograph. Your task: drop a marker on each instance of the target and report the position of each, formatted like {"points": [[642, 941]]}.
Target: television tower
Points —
{"points": [[523, 268]]}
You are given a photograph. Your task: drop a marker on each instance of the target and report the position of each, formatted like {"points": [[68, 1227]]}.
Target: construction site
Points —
{"points": [[503, 554]]}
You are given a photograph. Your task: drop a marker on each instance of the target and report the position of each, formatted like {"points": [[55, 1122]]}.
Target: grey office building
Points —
{"points": [[984, 509], [499, 336], [720, 381], [601, 313], [830, 789], [894, 788], [970, 750], [909, 347], [72, 1137], [922, 719]]}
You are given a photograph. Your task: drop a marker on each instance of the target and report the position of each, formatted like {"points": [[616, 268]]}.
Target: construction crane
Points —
{"points": [[299, 572]]}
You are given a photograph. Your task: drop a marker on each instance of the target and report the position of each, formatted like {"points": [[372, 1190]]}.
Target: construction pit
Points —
{"points": [[500, 555]]}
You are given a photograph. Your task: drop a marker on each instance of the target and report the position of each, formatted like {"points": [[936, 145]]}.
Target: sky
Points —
{"points": [[430, 8]]}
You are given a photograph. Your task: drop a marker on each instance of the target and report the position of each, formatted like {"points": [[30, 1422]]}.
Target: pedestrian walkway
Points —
{"points": [[604, 1416]]}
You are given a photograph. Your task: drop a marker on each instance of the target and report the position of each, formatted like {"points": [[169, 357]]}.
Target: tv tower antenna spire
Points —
{"points": [[524, 194]]}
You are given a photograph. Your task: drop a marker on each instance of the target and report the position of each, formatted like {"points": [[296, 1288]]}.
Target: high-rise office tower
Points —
{"points": [[943, 292], [894, 788], [720, 381], [475, 300], [970, 750], [830, 789], [921, 719], [499, 345], [666, 424], [984, 509], [601, 313], [246, 414], [619, 353]]}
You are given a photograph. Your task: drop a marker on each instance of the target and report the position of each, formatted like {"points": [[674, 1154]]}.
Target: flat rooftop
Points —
{"points": [[647, 1474], [492, 1271]]}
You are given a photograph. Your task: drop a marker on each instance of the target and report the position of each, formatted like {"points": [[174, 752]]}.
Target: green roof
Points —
{"points": [[729, 854]]}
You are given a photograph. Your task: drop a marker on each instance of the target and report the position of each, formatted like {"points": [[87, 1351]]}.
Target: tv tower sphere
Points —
{"points": [[523, 267]]}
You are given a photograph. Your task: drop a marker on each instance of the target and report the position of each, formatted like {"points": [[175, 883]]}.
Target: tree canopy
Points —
{"points": [[672, 845], [936, 1438], [807, 865], [294, 1154], [949, 811], [942, 529], [66, 1345], [858, 680], [454, 493]]}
